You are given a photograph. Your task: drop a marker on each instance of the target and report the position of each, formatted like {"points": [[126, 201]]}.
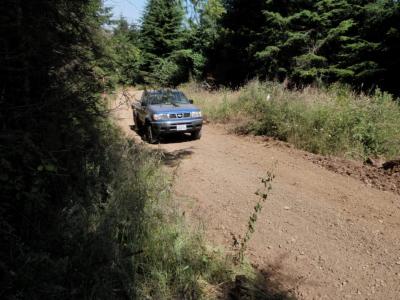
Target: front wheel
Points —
{"points": [[150, 137], [137, 123], [196, 135]]}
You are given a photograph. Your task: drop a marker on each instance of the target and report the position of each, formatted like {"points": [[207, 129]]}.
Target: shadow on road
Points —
{"points": [[265, 285], [260, 288], [172, 159], [176, 138], [173, 138]]}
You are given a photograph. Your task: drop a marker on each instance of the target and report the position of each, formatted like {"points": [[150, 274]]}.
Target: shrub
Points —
{"points": [[153, 253], [332, 120]]}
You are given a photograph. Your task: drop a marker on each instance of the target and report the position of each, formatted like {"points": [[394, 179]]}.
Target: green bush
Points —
{"points": [[174, 69], [333, 120], [83, 211], [153, 253]]}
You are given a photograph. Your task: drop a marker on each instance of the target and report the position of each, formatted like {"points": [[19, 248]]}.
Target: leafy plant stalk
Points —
{"points": [[263, 196]]}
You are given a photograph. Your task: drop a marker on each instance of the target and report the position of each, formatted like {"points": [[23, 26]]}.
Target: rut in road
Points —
{"points": [[322, 234]]}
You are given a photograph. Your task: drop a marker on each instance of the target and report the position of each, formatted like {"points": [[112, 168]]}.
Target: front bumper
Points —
{"points": [[172, 126]]}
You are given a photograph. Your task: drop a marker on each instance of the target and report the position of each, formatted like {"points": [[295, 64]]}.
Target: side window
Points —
{"points": [[144, 99], [182, 96]]}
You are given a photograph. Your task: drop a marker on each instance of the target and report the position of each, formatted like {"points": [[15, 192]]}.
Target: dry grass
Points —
{"points": [[334, 120], [216, 105]]}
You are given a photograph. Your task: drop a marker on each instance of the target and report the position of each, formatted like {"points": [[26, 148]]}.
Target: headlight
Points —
{"points": [[157, 117], [196, 114]]}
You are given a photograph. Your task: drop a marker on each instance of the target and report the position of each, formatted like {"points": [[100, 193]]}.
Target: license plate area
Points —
{"points": [[181, 127]]}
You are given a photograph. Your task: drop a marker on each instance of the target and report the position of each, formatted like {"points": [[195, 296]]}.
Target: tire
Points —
{"points": [[138, 126], [135, 122], [149, 133], [196, 135]]}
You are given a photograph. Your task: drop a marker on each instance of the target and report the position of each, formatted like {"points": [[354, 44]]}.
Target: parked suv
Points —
{"points": [[161, 112]]}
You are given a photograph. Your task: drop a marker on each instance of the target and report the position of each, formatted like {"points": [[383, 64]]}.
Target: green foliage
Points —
{"points": [[165, 72], [83, 211], [127, 55], [154, 255], [161, 30], [308, 42], [172, 52], [263, 194], [232, 41], [204, 34], [161, 41], [121, 57], [328, 121], [52, 149], [229, 60]]}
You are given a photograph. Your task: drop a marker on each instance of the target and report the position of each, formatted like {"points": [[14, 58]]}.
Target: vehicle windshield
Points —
{"points": [[166, 97]]}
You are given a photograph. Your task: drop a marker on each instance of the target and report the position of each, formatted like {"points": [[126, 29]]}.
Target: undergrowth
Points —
{"points": [[328, 121], [158, 257]]}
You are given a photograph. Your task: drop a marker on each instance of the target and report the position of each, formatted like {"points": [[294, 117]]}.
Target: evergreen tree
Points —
{"points": [[370, 54], [127, 57], [54, 153], [232, 60], [162, 30], [309, 41], [205, 34], [161, 37]]}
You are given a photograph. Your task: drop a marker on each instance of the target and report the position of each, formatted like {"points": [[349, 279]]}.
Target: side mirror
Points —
{"points": [[191, 101]]}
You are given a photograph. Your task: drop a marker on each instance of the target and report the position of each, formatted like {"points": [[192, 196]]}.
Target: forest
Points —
{"points": [[231, 42], [82, 214]]}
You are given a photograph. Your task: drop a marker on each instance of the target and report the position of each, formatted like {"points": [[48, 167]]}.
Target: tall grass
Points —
{"points": [[334, 120], [216, 105], [152, 252]]}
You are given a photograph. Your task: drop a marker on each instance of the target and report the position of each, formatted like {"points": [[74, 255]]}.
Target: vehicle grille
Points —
{"points": [[179, 116]]}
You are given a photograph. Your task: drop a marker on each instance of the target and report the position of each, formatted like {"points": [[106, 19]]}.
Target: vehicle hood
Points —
{"points": [[169, 108]]}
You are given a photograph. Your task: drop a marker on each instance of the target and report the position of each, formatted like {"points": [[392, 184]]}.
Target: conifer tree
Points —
{"points": [[205, 34], [309, 41], [232, 60], [161, 32], [127, 56]]}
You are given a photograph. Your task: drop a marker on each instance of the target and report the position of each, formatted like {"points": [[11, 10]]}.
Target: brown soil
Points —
{"points": [[321, 234], [377, 177], [377, 174]]}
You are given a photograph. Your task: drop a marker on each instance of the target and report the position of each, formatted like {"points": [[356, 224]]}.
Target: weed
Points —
{"points": [[159, 257], [329, 121], [263, 195]]}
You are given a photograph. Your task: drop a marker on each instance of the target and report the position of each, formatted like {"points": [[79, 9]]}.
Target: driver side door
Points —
{"points": [[142, 108]]}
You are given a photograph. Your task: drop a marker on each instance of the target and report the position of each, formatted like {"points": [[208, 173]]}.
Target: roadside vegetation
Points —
{"points": [[228, 42], [330, 121], [346, 48], [87, 214], [151, 252]]}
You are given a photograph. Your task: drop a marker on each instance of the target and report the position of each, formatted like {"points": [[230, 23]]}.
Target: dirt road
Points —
{"points": [[321, 234]]}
